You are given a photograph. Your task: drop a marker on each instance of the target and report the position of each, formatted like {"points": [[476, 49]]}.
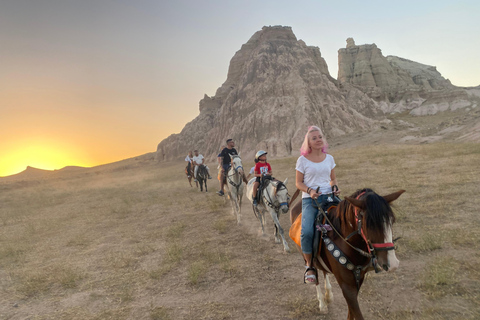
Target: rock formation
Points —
{"points": [[397, 83], [276, 87]]}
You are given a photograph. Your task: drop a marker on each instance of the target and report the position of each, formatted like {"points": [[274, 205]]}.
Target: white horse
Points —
{"points": [[274, 199], [234, 185]]}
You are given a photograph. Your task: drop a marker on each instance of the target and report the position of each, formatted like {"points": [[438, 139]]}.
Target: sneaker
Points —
{"points": [[209, 177], [220, 193], [255, 203]]}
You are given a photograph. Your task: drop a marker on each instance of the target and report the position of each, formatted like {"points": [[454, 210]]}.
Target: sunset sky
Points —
{"points": [[90, 82]]}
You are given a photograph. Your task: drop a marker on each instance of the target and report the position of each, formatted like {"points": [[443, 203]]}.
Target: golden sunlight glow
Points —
{"points": [[41, 157]]}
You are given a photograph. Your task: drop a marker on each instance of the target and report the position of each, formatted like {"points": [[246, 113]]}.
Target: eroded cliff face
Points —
{"points": [[396, 83], [276, 87]]}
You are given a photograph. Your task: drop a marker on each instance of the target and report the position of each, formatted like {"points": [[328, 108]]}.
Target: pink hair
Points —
{"points": [[305, 148]]}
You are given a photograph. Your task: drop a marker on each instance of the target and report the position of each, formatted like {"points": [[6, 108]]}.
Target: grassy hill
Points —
{"points": [[134, 241]]}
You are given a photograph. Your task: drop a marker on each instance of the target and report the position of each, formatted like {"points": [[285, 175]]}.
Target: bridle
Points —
{"points": [[371, 247], [275, 205], [202, 171], [236, 173]]}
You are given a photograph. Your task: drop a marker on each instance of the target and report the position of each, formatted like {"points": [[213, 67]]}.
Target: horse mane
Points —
{"points": [[377, 212]]}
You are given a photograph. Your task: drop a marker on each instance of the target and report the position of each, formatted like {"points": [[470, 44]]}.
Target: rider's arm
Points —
{"points": [[301, 186], [333, 180], [256, 172]]}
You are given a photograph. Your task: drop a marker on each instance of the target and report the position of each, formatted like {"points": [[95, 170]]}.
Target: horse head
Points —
{"points": [[237, 164], [281, 195], [377, 213]]}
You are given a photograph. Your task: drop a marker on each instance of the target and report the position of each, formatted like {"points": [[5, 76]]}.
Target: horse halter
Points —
{"points": [[386, 246], [271, 203], [236, 172], [373, 248]]}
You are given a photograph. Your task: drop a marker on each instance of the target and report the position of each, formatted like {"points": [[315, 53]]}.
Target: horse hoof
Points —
{"points": [[286, 250], [324, 310], [277, 241]]}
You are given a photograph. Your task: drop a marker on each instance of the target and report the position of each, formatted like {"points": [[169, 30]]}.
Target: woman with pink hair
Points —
{"points": [[315, 177]]}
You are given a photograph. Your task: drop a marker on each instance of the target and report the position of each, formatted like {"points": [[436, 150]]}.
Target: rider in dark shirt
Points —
{"points": [[225, 154]]}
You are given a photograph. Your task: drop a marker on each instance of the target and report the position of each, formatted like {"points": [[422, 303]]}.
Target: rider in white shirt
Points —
{"points": [[198, 159]]}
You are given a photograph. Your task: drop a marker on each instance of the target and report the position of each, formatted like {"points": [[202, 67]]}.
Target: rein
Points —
{"points": [[269, 202], [371, 246], [341, 257], [235, 174]]}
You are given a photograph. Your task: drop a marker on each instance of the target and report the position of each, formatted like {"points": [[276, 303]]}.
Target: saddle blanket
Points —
{"points": [[296, 230]]}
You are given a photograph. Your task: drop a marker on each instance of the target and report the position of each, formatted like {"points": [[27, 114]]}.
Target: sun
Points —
{"points": [[47, 157]]}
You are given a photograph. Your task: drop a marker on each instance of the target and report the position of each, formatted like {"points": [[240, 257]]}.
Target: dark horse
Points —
{"points": [[356, 237], [189, 172], [202, 176]]}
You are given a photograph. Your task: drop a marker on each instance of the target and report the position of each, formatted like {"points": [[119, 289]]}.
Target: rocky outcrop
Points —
{"points": [[276, 87], [397, 84]]}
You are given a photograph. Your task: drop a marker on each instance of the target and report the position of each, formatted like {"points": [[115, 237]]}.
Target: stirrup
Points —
{"points": [[310, 276]]}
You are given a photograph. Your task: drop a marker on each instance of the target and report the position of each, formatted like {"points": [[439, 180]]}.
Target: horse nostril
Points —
{"points": [[385, 267]]}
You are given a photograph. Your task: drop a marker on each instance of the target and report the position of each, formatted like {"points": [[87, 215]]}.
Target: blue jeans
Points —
{"points": [[309, 214], [226, 167]]}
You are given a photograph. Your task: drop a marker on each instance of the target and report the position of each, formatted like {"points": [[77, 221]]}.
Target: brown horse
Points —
{"points": [[356, 237], [189, 173]]}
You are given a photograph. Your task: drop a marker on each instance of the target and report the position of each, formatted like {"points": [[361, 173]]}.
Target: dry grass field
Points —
{"points": [[132, 240]]}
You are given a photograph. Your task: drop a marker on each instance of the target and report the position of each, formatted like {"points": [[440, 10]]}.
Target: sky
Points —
{"points": [[86, 82]]}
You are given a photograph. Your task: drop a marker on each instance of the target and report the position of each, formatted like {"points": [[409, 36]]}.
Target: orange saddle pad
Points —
{"points": [[296, 230]]}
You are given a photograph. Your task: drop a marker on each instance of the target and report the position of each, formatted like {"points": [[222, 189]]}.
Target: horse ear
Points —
{"points": [[357, 203], [230, 156], [393, 196], [285, 182]]}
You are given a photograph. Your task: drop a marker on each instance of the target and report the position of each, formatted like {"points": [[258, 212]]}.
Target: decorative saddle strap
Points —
{"points": [[339, 255]]}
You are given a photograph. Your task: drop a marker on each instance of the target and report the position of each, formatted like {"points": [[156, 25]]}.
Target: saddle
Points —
{"points": [[264, 181], [296, 228], [331, 202]]}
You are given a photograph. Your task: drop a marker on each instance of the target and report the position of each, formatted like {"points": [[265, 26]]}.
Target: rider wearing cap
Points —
{"points": [[262, 168]]}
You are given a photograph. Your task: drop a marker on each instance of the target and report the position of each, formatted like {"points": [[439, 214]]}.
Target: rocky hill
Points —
{"points": [[399, 84], [277, 86]]}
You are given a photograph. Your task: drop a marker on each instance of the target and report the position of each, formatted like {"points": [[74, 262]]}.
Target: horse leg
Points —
{"points": [[322, 304], [350, 294], [328, 288], [280, 229], [275, 234], [239, 207]]}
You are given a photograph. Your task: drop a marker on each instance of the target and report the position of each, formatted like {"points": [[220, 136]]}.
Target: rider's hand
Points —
{"points": [[314, 194], [336, 190]]}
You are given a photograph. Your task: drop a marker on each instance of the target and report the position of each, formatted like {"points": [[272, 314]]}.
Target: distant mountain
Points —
{"points": [[277, 86]]}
